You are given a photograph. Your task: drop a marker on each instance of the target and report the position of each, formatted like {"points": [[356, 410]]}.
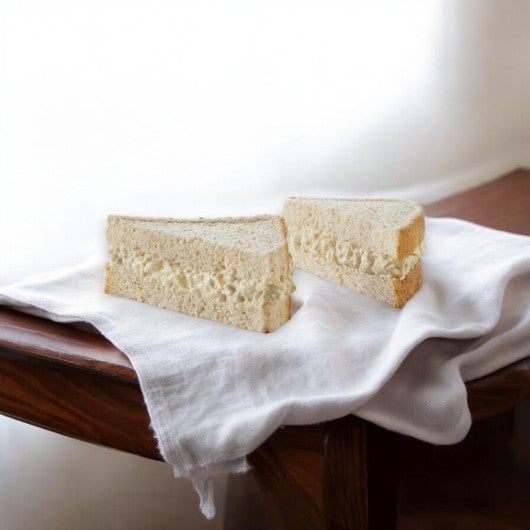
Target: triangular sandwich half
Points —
{"points": [[234, 270], [370, 245]]}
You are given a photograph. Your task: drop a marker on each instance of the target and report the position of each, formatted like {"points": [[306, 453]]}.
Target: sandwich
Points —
{"points": [[234, 270], [370, 245]]}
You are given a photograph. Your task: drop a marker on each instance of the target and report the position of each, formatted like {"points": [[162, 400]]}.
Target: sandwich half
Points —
{"points": [[234, 270], [370, 245]]}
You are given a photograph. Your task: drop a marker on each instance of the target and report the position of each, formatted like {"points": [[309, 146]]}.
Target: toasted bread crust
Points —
{"points": [[106, 288], [405, 289], [411, 236]]}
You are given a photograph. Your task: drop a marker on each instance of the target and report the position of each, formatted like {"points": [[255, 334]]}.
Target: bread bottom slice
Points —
{"points": [[393, 291], [264, 317]]}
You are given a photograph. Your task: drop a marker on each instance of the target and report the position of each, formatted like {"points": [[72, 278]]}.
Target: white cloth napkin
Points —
{"points": [[215, 393]]}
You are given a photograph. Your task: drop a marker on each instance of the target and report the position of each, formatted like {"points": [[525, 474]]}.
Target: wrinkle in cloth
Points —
{"points": [[214, 393]]}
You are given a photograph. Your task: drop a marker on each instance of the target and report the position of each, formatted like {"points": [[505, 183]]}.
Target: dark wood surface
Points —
{"points": [[339, 474], [482, 483], [502, 204], [77, 402], [288, 471], [345, 482], [77, 383], [38, 339], [496, 393]]}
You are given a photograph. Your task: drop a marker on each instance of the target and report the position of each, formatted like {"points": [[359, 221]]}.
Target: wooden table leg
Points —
{"points": [[339, 475], [360, 476]]}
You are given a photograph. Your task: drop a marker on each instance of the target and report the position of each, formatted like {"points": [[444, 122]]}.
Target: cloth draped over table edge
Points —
{"points": [[201, 476]]}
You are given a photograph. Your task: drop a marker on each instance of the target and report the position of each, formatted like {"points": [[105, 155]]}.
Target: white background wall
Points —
{"points": [[50, 482], [221, 107], [201, 107]]}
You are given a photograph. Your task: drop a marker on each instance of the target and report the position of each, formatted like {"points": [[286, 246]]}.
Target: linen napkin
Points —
{"points": [[215, 393]]}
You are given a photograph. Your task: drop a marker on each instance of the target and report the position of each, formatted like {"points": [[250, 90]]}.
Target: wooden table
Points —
{"points": [[339, 474]]}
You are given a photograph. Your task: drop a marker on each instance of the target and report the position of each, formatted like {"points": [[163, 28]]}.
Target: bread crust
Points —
{"points": [[198, 220], [411, 235], [404, 289], [106, 288]]}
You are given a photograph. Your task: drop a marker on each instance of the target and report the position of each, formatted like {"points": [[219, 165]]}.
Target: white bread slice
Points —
{"points": [[232, 270], [370, 245]]}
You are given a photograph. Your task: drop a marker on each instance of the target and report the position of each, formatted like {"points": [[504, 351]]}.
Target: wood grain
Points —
{"points": [[337, 475], [62, 345], [360, 476], [498, 392], [502, 204], [75, 402], [345, 481], [288, 469]]}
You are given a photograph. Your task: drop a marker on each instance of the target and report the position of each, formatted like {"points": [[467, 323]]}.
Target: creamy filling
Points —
{"points": [[221, 285], [350, 255]]}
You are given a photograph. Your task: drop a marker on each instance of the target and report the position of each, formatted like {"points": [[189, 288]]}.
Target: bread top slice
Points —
{"points": [[256, 245], [390, 227]]}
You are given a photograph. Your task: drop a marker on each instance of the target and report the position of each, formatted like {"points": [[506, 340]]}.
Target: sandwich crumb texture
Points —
{"points": [[371, 245]]}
